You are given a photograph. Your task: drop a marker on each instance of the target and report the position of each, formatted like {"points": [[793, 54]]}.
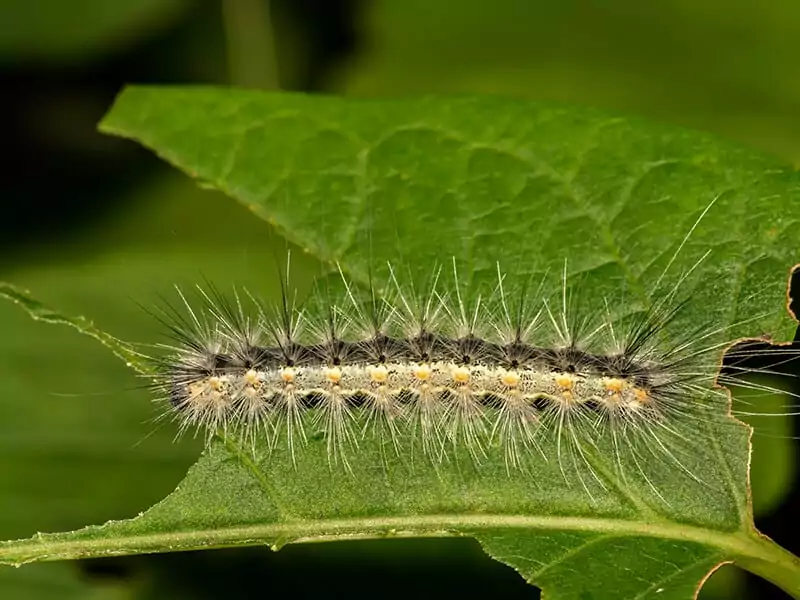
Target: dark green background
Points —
{"points": [[94, 225]]}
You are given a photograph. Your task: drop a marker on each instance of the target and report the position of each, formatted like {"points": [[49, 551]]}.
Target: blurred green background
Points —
{"points": [[96, 226]]}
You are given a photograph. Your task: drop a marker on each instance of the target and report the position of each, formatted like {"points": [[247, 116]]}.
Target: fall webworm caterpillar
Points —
{"points": [[432, 368]]}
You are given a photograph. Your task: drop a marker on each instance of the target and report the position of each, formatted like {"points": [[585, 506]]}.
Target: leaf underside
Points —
{"points": [[481, 180]]}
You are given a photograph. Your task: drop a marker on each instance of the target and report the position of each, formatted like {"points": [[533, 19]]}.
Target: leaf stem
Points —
{"points": [[749, 550], [772, 562], [250, 44]]}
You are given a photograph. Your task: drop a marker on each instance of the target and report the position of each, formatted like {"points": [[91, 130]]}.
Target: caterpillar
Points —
{"points": [[423, 369]]}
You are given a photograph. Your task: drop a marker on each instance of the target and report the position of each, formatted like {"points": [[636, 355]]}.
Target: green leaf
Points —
{"points": [[39, 312], [78, 441], [482, 180]]}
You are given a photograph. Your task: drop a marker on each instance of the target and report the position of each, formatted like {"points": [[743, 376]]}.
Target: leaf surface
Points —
{"points": [[78, 441], [483, 180]]}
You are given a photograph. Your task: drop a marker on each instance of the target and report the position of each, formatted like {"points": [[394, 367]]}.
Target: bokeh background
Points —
{"points": [[96, 226]]}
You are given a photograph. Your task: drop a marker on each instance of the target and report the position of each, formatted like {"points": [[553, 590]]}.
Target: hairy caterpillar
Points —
{"points": [[426, 370]]}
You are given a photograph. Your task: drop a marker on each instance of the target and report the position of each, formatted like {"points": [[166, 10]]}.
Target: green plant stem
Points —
{"points": [[250, 44], [772, 562], [750, 551]]}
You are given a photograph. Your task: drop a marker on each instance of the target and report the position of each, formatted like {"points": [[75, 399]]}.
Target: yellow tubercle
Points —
{"points": [[378, 374], [460, 374], [422, 372], [641, 396], [333, 375], [216, 383], [565, 381], [252, 379], [510, 378], [613, 385]]}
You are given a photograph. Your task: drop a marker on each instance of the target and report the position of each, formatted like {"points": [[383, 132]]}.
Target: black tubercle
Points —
{"points": [[430, 347]]}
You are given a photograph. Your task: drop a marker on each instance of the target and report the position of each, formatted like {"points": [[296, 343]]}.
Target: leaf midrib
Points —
{"points": [[18, 552]]}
